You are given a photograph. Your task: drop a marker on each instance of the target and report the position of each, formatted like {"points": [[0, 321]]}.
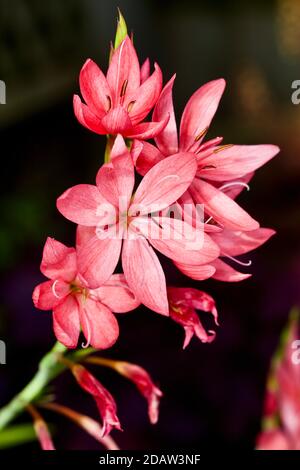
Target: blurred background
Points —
{"points": [[213, 393]]}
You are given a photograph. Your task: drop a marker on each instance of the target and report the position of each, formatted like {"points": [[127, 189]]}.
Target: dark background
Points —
{"points": [[213, 393]]}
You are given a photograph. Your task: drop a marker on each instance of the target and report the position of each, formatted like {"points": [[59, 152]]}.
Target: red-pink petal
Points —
{"points": [[236, 161], [117, 121], [117, 295], [136, 148], [84, 235], [86, 117], [99, 325], [123, 69], [82, 204], [144, 384], [222, 208], [49, 294], [226, 273], [144, 98], [145, 70], [167, 140], [164, 183], [193, 214], [98, 257], [147, 158], [66, 323], [59, 261], [115, 180], [178, 240], [94, 88], [144, 274], [183, 302], [147, 130], [198, 114], [233, 243], [194, 298], [104, 400], [197, 272]]}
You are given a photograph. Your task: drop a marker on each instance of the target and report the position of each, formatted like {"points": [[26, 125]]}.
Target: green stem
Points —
{"points": [[109, 144], [49, 368]]}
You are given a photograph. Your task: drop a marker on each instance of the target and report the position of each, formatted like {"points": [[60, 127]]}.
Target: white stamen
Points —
{"points": [[229, 185], [88, 339], [242, 263], [53, 289], [235, 183]]}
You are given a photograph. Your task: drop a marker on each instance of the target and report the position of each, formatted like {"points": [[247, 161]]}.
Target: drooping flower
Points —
{"points": [[216, 163], [108, 213], [184, 302], [119, 102], [140, 378], [143, 382], [74, 305], [104, 400]]}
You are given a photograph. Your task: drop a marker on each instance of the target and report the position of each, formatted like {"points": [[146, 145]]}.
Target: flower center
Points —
{"points": [[78, 289]]}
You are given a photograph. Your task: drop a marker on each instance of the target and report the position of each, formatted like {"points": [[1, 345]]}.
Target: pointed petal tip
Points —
{"points": [[221, 82], [86, 63], [275, 149], [270, 231], [157, 67], [76, 99]]}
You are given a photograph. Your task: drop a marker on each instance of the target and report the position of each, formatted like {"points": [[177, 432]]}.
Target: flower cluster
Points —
{"points": [[176, 196]]}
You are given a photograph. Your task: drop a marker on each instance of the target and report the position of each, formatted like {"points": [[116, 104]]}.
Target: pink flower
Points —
{"points": [[143, 382], [184, 302], [104, 401], [74, 305], [216, 164], [108, 213], [117, 103], [232, 243], [282, 413]]}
